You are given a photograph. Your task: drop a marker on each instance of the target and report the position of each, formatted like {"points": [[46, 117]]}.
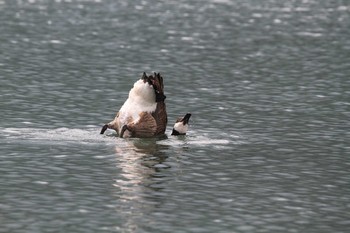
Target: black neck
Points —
{"points": [[175, 132]]}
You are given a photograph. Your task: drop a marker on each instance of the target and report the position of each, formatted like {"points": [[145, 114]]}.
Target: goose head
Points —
{"points": [[181, 125]]}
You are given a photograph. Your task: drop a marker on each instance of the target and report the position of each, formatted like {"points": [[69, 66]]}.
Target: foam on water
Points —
{"points": [[55, 136], [91, 136], [203, 138]]}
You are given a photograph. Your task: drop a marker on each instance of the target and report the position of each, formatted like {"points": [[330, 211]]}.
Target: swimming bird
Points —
{"points": [[143, 114], [181, 125]]}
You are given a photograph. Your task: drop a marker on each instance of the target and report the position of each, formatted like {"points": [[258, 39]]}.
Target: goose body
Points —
{"points": [[144, 112]]}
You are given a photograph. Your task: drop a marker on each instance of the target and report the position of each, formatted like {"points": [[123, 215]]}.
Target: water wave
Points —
{"points": [[92, 136], [59, 135]]}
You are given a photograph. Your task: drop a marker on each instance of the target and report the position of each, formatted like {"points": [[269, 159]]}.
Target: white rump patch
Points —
{"points": [[142, 98]]}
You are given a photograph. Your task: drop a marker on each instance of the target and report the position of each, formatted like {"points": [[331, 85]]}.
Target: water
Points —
{"points": [[267, 83]]}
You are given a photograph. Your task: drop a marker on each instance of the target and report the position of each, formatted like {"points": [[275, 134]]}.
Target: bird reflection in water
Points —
{"points": [[139, 162], [141, 178]]}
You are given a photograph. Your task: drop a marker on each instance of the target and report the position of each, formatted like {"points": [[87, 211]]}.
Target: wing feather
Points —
{"points": [[145, 127]]}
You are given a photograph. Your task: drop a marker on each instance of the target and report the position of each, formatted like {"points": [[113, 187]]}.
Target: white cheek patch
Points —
{"points": [[180, 127]]}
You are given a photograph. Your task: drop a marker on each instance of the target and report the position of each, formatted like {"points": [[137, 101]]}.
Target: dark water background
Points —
{"points": [[267, 82]]}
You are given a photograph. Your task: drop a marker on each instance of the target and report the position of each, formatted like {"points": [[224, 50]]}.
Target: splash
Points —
{"points": [[55, 136], [91, 136]]}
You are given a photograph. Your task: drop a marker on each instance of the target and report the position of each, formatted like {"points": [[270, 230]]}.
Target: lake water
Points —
{"points": [[268, 86]]}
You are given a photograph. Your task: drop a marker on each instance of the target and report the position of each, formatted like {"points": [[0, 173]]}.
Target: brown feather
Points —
{"points": [[160, 117], [145, 127]]}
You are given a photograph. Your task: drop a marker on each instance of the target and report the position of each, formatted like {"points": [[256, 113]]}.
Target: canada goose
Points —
{"points": [[181, 125], [143, 114]]}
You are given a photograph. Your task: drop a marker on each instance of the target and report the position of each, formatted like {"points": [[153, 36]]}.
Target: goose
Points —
{"points": [[181, 125], [143, 114]]}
